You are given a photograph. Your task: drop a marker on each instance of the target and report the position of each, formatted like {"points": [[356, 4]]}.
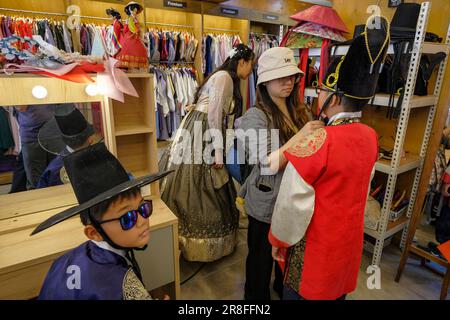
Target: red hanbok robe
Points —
{"points": [[133, 54], [318, 219]]}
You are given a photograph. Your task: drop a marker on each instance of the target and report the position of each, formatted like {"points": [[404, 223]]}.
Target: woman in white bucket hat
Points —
{"points": [[278, 108]]}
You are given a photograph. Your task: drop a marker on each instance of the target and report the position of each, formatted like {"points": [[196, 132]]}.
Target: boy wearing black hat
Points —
{"points": [[318, 222], [115, 217], [66, 132]]}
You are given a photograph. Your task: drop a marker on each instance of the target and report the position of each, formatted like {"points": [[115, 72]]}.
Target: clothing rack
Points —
{"points": [[52, 14], [224, 30], [169, 25]]}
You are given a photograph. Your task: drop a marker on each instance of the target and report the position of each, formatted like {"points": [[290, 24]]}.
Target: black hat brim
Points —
{"points": [[69, 213], [52, 140]]}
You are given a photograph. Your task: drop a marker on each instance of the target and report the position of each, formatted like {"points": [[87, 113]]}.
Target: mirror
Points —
{"points": [[34, 140]]}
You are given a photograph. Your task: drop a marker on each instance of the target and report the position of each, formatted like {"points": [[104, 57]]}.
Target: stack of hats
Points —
{"points": [[317, 27], [314, 25]]}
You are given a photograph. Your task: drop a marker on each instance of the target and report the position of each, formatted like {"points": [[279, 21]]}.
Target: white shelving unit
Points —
{"points": [[399, 165]]}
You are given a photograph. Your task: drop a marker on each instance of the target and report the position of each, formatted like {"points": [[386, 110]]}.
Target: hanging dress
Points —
{"points": [[114, 38], [133, 54], [201, 196]]}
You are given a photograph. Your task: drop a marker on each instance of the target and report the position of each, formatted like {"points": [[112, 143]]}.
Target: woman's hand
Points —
{"points": [[218, 159], [310, 127], [277, 159], [217, 166], [276, 254], [445, 191], [307, 129], [189, 107]]}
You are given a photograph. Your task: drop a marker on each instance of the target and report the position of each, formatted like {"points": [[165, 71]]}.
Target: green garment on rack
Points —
{"points": [[6, 138]]}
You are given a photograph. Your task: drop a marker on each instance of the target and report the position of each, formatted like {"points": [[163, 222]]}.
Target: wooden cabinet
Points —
{"points": [[130, 135]]}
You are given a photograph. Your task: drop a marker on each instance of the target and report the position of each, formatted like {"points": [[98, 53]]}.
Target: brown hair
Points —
{"points": [[297, 111]]}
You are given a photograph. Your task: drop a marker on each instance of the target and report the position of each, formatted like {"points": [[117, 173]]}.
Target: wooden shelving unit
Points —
{"points": [[131, 129]]}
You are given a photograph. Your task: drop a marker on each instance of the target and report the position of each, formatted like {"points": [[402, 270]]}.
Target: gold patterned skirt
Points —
{"points": [[201, 197]]}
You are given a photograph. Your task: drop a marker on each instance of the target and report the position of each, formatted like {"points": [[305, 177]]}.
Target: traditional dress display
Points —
{"points": [[133, 54], [318, 219], [201, 196]]}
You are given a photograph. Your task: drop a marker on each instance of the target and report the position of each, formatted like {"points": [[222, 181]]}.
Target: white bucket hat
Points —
{"points": [[277, 63]]}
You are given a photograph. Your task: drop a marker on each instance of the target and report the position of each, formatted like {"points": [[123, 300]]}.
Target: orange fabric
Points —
{"points": [[445, 250], [79, 74]]}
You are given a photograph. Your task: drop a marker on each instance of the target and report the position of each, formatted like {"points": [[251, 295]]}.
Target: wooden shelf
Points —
{"points": [[392, 228], [126, 130], [433, 47], [411, 162], [382, 99], [133, 152], [6, 177]]}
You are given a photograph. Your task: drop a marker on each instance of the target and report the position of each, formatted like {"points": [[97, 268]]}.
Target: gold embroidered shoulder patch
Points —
{"points": [[133, 289], [310, 144]]}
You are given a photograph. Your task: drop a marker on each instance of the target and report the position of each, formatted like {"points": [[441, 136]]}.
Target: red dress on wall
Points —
{"points": [[133, 54]]}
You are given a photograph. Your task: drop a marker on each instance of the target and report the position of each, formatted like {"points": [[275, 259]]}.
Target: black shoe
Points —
{"points": [[279, 291]]}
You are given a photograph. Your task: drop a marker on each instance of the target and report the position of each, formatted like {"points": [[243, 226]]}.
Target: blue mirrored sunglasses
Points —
{"points": [[129, 219]]}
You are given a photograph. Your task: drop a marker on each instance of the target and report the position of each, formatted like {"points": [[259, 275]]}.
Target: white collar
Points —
{"points": [[342, 115], [107, 246]]}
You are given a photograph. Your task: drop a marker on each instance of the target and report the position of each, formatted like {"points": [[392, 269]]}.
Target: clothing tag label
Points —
{"points": [[270, 17], [175, 4], [232, 12]]}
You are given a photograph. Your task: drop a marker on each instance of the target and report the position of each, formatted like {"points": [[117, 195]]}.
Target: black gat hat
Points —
{"points": [[96, 176]]}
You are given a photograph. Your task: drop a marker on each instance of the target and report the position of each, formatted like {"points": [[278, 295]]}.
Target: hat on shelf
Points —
{"points": [[68, 128], [405, 17], [275, 63], [131, 3], [318, 26], [96, 176], [355, 74], [320, 31], [324, 16]]}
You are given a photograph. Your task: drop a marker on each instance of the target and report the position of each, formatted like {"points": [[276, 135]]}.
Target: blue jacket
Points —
{"points": [[89, 272]]}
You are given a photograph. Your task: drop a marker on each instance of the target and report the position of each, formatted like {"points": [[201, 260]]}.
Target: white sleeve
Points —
{"points": [[294, 207], [220, 98]]}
